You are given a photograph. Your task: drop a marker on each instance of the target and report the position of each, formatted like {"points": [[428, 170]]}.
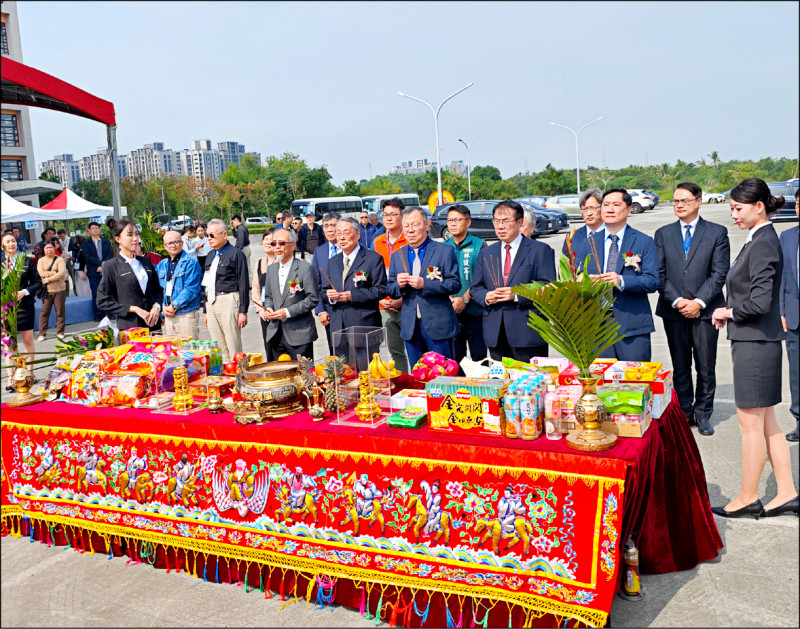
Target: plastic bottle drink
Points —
{"points": [[527, 409], [209, 351], [217, 352], [511, 408], [552, 414]]}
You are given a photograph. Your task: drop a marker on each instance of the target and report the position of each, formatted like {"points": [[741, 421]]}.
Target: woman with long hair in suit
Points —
{"points": [[755, 333], [129, 287]]}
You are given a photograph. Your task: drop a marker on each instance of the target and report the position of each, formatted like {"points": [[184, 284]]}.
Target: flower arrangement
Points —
{"points": [[576, 318], [11, 277], [632, 259], [88, 341], [294, 286], [359, 276], [433, 273]]}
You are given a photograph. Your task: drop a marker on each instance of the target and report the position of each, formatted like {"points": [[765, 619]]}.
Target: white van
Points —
{"points": [[344, 206], [373, 203]]}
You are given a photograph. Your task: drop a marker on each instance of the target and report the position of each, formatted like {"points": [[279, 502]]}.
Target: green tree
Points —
{"points": [[352, 189], [46, 197]]}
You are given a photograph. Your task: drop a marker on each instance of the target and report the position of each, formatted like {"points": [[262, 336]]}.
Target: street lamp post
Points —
{"points": [[577, 158], [469, 179], [436, 130]]}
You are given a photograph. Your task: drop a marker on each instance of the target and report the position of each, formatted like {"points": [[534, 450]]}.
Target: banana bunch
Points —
{"points": [[381, 370]]}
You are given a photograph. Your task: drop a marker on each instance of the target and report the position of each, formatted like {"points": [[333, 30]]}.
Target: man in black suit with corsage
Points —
{"points": [[693, 262]]}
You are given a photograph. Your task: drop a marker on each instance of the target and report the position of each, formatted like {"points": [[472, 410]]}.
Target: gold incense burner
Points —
{"points": [[590, 413], [271, 390], [22, 381]]}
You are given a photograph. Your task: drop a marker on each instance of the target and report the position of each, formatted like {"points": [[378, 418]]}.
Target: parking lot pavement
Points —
{"points": [[753, 582]]}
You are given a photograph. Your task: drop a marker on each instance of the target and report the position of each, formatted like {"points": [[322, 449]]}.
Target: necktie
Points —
{"points": [[416, 269], [211, 289], [346, 269], [332, 251], [613, 254], [687, 239], [507, 265], [99, 246]]}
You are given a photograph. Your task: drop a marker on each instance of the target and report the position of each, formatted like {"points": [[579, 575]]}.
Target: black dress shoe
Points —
{"points": [[704, 427], [793, 436], [756, 509], [793, 506]]}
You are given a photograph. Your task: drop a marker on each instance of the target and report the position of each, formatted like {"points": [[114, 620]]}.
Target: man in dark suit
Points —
{"points": [[359, 282], [790, 287], [627, 258], [424, 274], [590, 202], [290, 296], [319, 261], [693, 261], [512, 261], [96, 250], [309, 237]]}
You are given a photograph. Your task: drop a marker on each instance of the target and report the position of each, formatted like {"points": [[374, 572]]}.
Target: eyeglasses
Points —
{"points": [[279, 243], [391, 214], [590, 208], [457, 220], [172, 243], [213, 235], [684, 201], [504, 221]]}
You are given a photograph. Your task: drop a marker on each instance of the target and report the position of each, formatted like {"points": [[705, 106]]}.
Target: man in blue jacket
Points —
{"points": [[96, 250], [628, 259], [424, 274], [180, 276], [366, 231], [790, 288]]}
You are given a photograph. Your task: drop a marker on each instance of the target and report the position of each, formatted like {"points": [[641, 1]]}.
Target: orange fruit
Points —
{"points": [[284, 357], [320, 369]]}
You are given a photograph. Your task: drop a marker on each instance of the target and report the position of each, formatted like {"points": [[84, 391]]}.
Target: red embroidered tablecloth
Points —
{"points": [[475, 521]]}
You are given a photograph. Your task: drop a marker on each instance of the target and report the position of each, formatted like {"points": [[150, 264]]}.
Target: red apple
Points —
{"points": [[229, 368], [238, 356]]}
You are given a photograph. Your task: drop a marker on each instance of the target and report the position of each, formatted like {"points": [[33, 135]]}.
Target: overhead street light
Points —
{"points": [[576, 134], [469, 179], [436, 130]]}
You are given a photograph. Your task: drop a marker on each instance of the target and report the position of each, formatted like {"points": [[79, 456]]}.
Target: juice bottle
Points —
{"points": [[527, 409], [552, 414], [511, 408]]}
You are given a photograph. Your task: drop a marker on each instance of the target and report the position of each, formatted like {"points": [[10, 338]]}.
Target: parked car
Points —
{"points": [[656, 197], [566, 203], [481, 214], [713, 197], [178, 224], [558, 218], [257, 220], [538, 200], [786, 189], [641, 201]]}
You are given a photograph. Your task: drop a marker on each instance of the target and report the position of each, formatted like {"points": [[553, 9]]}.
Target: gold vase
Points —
{"points": [[590, 413], [22, 381]]}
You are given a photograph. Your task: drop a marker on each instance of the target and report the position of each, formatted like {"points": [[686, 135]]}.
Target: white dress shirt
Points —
{"points": [[283, 277], [753, 230], [138, 271]]}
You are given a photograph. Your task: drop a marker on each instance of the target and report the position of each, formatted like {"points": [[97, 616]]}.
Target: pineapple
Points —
{"points": [[334, 370]]}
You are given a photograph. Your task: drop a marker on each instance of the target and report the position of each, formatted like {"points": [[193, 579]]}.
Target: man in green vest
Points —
{"points": [[470, 314]]}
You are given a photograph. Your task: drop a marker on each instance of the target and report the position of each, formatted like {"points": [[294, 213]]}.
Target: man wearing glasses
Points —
{"points": [[386, 244], [227, 295], [627, 258], [512, 261], [470, 314], [424, 274], [590, 202], [288, 298], [693, 262], [180, 276], [366, 231]]}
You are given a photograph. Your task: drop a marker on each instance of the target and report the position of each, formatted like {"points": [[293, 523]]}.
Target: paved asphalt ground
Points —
{"points": [[753, 582]]}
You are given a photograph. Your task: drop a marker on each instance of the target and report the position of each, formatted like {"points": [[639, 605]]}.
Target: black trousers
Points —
{"points": [[693, 339], [523, 354], [471, 333], [277, 345]]}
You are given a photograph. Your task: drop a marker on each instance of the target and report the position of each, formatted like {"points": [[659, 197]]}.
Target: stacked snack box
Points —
{"points": [[652, 373], [628, 408], [569, 395], [466, 405]]}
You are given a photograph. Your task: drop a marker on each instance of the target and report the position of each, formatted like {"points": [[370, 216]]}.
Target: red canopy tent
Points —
{"points": [[23, 85]]}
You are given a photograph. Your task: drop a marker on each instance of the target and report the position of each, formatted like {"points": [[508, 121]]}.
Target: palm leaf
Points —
{"points": [[576, 318]]}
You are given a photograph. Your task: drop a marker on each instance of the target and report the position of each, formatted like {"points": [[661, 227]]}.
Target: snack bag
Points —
{"points": [[122, 389]]}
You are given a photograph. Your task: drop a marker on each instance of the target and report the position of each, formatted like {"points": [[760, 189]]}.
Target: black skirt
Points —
{"points": [[25, 317], [757, 371]]}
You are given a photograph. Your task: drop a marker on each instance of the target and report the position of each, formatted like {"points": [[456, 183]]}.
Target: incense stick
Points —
{"points": [[327, 277], [593, 247], [401, 253]]}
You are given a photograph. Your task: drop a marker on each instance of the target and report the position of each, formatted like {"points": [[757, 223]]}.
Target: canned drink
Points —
{"points": [[619, 417], [632, 584], [635, 419]]}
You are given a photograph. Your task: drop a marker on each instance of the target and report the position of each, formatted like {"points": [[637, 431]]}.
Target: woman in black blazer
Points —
{"points": [[755, 332], [129, 287], [29, 285]]}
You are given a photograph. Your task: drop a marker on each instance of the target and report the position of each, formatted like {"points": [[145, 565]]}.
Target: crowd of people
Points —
{"points": [[455, 297]]}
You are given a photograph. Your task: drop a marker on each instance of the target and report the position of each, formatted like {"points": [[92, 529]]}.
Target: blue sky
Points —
{"points": [[673, 80]]}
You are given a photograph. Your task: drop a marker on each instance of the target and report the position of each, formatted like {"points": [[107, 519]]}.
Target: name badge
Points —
{"points": [[168, 289], [263, 294]]}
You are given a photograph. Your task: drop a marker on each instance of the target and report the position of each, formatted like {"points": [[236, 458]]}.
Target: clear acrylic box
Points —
{"points": [[364, 388]]}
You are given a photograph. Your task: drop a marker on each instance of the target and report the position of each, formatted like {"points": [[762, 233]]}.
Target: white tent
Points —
{"points": [[12, 210], [69, 205]]}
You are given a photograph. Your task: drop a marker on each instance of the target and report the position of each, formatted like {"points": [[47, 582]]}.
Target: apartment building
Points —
{"points": [[64, 167]]}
